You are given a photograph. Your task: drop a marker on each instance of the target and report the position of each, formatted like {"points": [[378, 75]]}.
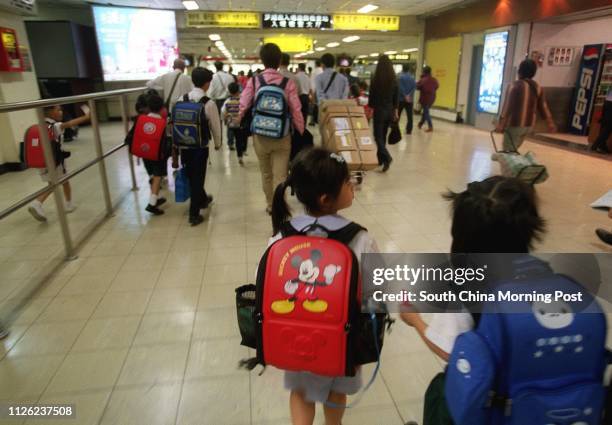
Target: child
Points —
{"points": [[230, 114], [321, 182], [195, 160], [361, 98], [53, 118], [152, 105]]}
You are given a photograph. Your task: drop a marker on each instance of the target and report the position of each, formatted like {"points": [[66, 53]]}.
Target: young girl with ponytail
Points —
{"points": [[321, 182]]}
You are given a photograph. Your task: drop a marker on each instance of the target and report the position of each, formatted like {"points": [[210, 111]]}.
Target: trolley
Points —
{"points": [[523, 167]]}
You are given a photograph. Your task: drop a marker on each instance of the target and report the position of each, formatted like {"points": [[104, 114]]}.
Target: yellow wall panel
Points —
{"points": [[443, 57]]}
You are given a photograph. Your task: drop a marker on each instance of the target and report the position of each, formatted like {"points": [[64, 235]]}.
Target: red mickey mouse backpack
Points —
{"points": [[149, 132], [304, 313]]}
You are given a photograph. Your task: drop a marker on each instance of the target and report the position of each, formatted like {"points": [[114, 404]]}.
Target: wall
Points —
{"points": [[78, 14], [465, 70], [15, 87]]}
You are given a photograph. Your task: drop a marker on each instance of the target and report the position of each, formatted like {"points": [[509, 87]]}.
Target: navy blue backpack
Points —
{"points": [[541, 368], [189, 124]]}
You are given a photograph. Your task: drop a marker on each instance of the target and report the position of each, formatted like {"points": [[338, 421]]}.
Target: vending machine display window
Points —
{"points": [[10, 56]]}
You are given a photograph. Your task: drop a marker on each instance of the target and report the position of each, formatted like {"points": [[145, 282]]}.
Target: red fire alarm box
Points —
{"points": [[10, 56]]}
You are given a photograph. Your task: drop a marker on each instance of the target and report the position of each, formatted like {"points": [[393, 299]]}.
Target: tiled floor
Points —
{"points": [[140, 329]]}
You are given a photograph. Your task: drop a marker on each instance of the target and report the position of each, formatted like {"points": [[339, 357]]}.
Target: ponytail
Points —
{"points": [[280, 210]]}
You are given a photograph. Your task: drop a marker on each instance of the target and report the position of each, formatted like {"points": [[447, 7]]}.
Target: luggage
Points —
{"points": [[270, 110], [306, 315], [395, 135], [149, 137], [189, 124], [182, 190], [545, 367], [33, 156], [524, 167]]}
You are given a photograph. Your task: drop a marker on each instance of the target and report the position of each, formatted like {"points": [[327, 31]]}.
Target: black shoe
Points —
{"points": [[194, 221], [420, 125], [312, 124], [603, 150], [207, 203], [160, 201], [386, 166], [154, 210], [604, 235], [232, 148]]}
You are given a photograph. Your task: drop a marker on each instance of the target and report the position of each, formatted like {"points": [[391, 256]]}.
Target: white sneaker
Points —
{"points": [[37, 211], [69, 208]]}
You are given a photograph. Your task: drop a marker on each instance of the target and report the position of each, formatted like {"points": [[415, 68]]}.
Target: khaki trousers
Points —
{"points": [[273, 156]]}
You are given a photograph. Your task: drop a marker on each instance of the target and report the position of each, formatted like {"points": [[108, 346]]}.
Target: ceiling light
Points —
{"points": [[214, 37], [390, 52], [319, 49], [351, 38], [190, 5], [367, 8], [414, 49], [373, 55], [334, 44], [219, 43], [362, 56], [310, 52]]}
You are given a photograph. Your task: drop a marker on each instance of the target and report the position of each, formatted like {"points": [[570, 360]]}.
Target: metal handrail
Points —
{"points": [[31, 104]]}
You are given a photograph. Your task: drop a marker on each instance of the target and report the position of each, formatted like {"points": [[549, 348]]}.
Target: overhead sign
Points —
{"points": [[291, 43], [366, 22], [198, 19], [296, 21]]}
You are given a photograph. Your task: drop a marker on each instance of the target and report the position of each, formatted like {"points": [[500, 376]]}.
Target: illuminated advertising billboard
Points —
{"points": [[135, 44], [492, 72]]}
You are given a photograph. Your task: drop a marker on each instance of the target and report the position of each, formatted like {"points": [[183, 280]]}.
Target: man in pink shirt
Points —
{"points": [[273, 154]]}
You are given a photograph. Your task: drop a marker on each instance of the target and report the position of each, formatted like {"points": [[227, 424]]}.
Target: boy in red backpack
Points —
{"points": [[53, 117], [152, 106], [321, 182]]}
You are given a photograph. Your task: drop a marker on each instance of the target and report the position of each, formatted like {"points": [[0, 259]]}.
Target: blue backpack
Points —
{"points": [[545, 368], [270, 110], [189, 124]]}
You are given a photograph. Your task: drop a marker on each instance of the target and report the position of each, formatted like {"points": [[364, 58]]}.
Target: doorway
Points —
{"points": [[477, 52]]}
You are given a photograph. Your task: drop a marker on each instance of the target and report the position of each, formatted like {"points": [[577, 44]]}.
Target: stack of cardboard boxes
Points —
{"points": [[345, 130]]}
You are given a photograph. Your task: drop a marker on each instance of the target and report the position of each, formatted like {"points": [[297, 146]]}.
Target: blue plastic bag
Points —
{"points": [[182, 191]]}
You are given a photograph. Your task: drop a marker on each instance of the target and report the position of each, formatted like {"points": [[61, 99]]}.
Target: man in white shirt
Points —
{"points": [[172, 85], [218, 90], [315, 110], [303, 88]]}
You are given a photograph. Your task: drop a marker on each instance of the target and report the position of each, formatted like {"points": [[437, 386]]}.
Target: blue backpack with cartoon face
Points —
{"points": [[541, 368], [270, 110], [189, 124]]}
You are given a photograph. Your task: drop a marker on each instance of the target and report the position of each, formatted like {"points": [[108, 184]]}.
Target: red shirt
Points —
{"points": [[427, 85]]}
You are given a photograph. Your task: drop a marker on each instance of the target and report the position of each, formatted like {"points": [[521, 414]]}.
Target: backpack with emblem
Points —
{"points": [[189, 124], [305, 311], [270, 110], [32, 150], [544, 367], [148, 138]]}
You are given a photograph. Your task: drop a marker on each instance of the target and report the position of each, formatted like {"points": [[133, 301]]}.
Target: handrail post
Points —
{"points": [[126, 129], [57, 192], [95, 124]]}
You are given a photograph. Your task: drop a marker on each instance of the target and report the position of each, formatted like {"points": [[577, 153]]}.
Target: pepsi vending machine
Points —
{"points": [[586, 88]]}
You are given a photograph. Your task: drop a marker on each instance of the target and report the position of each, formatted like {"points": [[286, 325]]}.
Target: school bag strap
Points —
{"points": [[343, 235], [331, 80], [167, 102]]}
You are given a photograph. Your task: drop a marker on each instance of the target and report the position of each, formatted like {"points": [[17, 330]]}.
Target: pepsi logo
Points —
{"points": [[149, 128], [590, 54]]}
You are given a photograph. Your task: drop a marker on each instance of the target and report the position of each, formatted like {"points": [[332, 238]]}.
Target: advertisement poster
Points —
{"points": [[135, 44], [492, 73], [443, 57]]}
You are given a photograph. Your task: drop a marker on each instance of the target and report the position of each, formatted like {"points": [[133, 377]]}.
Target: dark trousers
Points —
{"points": [[382, 122], [219, 103], [409, 114], [195, 162], [239, 135], [426, 117], [304, 102], [606, 128], [315, 114]]}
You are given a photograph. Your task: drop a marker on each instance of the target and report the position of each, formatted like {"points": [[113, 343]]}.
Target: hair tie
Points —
{"points": [[337, 157]]}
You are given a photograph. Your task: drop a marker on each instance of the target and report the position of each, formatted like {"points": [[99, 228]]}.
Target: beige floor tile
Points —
{"points": [[81, 284], [100, 265], [220, 256], [215, 357], [134, 280], [15, 333], [104, 334], [189, 244], [269, 397], [174, 300], [189, 259], [165, 328], [88, 371], [44, 339], [216, 323], [217, 296], [31, 311], [408, 382], [122, 304], [382, 414], [53, 286], [143, 405], [144, 262], [199, 396], [154, 364], [74, 307], [181, 277], [235, 274], [113, 247], [152, 246], [88, 406], [24, 377]]}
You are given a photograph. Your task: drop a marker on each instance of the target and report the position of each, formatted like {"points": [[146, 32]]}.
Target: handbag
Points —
{"points": [[300, 142], [395, 136], [182, 191], [435, 410]]}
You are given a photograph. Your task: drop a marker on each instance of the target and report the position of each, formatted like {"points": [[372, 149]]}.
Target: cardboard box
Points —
{"points": [[356, 111], [343, 140], [337, 124], [353, 159], [368, 160], [359, 123], [364, 140]]}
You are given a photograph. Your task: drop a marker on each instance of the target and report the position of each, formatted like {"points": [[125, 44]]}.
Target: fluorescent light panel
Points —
{"points": [[414, 49], [191, 5], [367, 8], [334, 44], [319, 49], [374, 55], [351, 38], [390, 52], [214, 37]]}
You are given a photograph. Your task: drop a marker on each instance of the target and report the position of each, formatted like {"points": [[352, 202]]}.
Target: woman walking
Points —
{"points": [[384, 100]]}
